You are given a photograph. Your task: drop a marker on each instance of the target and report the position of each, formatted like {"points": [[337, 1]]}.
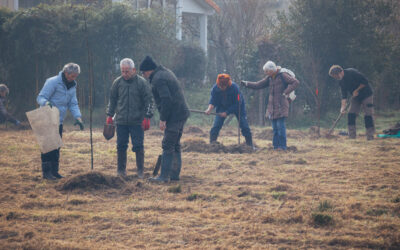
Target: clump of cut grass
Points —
{"points": [[396, 200], [376, 212], [321, 219], [325, 206], [192, 197], [175, 189], [278, 195]]}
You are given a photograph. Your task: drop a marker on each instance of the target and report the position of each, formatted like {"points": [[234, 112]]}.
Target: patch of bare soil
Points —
{"points": [[194, 130], [90, 181], [201, 146]]}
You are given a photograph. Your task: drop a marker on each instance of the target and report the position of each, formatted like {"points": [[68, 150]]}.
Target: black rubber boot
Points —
{"points": [[121, 168], [46, 171], [176, 167], [54, 170], [165, 168], [140, 163]]}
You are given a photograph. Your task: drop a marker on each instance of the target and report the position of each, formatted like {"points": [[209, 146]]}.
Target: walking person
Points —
{"points": [[280, 84], [60, 91], [352, 82], [4, 115], [171, 104], [132, 103], [227, 99]]}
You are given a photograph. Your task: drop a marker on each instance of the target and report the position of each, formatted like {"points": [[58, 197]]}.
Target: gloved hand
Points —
{"points": [[79, 122], [109, 120], [146, 124], [49, 104], [244, 83]]}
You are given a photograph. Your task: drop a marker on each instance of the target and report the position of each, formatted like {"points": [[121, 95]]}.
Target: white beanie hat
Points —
{"points": [[269, 66]]}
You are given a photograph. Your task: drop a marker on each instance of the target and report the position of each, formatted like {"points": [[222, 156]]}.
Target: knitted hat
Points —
{"points": [[224, 81], [148, 64]]}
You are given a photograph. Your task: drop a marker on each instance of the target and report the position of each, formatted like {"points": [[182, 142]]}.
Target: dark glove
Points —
{"points": [[243, 83], [79, 122], [146, 124], [49, 104]]}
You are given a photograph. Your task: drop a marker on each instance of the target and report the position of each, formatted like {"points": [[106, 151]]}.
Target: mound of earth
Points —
{"points": [[201, 146], [194, 130], [92, 180]]}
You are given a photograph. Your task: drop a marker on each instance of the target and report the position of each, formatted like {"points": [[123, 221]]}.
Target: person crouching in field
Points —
{"points": [[280, 84], [4, 115], [171, 104], [60, 91], [131, 100], [227, 99], [356, 84]]}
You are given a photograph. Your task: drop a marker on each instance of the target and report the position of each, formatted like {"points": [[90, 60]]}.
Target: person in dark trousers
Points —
{"points": [[4, 115], [132, 103], [352, 82], [280, 84], [227, 99], [60, 91], [174, 112]]}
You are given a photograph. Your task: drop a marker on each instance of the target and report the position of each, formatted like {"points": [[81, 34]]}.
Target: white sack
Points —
{"points": [[45, 123]]}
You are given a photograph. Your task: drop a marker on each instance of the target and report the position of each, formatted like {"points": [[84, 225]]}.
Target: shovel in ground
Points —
{"points": [[157, 166], [338, 119]]}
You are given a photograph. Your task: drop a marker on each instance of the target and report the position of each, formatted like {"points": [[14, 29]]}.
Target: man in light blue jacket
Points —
{"points": [[60, 91]]}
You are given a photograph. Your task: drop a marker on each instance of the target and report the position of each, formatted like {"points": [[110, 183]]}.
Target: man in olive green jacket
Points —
{"points": [[132, 103]]}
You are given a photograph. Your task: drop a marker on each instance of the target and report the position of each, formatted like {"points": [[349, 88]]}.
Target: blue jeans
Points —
{"points": [[279, 129], [219, 122], [137, 137]]}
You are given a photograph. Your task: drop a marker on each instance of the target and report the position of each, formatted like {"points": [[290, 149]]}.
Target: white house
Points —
{"points": [[203, 8]]}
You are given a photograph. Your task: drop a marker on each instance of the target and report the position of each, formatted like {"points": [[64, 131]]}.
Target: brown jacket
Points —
{"points": [[278, 105]]}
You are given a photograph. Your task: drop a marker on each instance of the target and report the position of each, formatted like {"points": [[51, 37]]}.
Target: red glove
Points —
{"points": [[109, 120], [146, 124]]}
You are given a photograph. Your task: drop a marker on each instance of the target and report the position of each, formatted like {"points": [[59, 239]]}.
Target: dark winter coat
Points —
{"points": [[168, 95], [131, 100], [278, 105]]}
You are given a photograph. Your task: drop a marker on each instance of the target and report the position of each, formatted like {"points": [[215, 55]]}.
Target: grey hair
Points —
{"points": [[72, 68], [127, 62], [4, 88], [269, 66]]}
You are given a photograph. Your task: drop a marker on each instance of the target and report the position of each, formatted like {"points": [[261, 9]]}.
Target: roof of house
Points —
{"points": [[213, 5]]}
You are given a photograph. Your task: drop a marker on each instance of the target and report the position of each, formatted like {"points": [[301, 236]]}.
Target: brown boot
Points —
{"points": [[352, 132], [370, 133]]}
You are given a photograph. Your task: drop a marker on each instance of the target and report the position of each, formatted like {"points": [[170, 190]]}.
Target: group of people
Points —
{"points": [[132, 99], [130, 107]]}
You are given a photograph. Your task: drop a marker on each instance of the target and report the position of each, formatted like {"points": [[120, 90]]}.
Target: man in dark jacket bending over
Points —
{"points": [[354, 83], [227, 99], [171, 104], [131, 100]]}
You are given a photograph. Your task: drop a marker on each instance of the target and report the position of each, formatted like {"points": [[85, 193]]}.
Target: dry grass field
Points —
{"points": [[323, 193]]}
